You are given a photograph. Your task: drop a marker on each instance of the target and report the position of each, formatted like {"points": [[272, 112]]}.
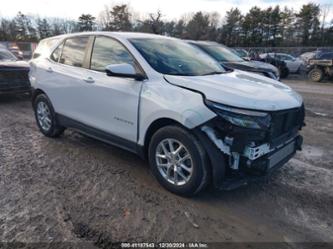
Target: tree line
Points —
{"points": [[271, 26]]}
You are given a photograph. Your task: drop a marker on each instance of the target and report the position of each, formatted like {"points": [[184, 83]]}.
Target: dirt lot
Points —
{"points": [[77, 189]]}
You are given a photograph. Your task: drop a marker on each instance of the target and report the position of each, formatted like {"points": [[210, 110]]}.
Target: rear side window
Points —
{"points": [[44, 47], [57, 53], [107, 51], [74, 51]]}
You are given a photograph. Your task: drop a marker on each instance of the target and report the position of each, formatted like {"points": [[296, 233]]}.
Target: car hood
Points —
{"points": [[14, 65], [254, 66], [241, 89]]}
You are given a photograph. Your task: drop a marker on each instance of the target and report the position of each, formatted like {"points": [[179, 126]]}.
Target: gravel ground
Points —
{"points": [[76, 189]]}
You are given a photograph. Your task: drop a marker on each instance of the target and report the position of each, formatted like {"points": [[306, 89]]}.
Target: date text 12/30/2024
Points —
{"points": [[163, 245]]}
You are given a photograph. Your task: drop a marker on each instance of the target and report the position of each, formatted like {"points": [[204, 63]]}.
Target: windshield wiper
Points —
{"points": [[212, 73]]}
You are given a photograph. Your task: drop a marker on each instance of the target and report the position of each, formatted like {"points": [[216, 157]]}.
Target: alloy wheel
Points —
{"points": [[44, 116], [174, 162], [315, 76]]}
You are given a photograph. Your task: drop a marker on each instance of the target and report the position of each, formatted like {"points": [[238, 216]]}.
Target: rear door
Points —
{"points": [[66, 78]]}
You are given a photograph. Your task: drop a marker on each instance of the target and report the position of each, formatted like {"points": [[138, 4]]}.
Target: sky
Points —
{"points": [[171, 9]]}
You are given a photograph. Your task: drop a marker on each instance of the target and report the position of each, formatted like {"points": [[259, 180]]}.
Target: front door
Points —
{"points": [[110, 104]]}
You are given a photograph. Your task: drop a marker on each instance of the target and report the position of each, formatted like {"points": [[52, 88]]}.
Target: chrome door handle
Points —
{"points": [[49, 70], [89, 80]]}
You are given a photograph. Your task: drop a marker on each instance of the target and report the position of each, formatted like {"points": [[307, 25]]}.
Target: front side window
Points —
{"points": [[108, 51], [275, 56], [74, 51], [241, 52], [288, 57], [175, 57]]}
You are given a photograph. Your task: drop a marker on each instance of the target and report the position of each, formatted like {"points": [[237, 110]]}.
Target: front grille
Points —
{"points": [[286, 122], [13, 79]]}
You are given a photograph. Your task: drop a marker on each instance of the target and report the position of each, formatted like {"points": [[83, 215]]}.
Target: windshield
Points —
{"points": [[7, 56], [175, 57], [220, 53], [241, 52]]}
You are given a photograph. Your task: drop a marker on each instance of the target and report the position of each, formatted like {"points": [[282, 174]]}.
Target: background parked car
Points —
{"points": [[305, 57], [242, 53], [17, 52], [324, 56], [230, 60], [294, 64], [13, 74]]}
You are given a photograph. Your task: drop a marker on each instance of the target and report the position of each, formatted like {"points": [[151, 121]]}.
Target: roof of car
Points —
{"points": [[124, 35], [203, 42], [272, 54]]}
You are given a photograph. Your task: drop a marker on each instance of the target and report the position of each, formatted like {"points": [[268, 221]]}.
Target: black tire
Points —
{"points": [[55, 129], [284, 72], [200, 164], [316, 74]]}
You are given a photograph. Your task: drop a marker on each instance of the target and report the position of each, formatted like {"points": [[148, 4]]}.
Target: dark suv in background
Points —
{"points": [[13, 74], [230, 60]]}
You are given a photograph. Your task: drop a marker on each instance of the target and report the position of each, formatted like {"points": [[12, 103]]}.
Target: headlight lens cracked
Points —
{"points": [[241, 117]]}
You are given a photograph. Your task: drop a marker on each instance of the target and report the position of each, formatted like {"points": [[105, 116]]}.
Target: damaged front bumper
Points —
{"points": [[237, 161]]}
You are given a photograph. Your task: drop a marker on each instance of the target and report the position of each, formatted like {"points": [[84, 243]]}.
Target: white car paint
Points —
{"points": [[242, 89], [104, 102], [294, 64]]}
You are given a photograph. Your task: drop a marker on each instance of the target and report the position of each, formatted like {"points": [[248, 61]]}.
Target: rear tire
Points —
{"points": [[316, 74], [46, 117], [178, 161]]}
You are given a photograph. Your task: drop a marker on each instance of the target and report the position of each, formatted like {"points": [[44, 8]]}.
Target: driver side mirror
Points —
{"points": [[123, 70]]}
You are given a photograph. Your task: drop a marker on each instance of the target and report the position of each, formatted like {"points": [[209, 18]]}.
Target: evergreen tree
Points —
{"points": [[119, 19], [232, 29], [180, 28], [308, 23], [43, 28], [86, 22], [198, 26], [23, 28]]}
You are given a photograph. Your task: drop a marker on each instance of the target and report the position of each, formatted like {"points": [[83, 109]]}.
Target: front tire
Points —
{"points": [[316, 74], [284, 72], [178, 161], [46, 117]]}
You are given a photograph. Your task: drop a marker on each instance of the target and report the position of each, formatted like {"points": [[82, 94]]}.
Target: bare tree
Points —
{"points": [[155, 22], [324, 10]]}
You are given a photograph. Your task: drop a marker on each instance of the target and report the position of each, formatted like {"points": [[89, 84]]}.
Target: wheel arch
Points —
{"points": [[215, 169], [154, 127], [35, 93]]}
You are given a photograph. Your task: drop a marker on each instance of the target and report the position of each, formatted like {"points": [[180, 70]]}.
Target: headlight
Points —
{"points": [[241, 117], [273, 76], [277, 74]]}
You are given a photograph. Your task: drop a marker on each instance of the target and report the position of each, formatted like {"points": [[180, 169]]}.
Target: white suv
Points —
{"points": [[169, 102]]}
